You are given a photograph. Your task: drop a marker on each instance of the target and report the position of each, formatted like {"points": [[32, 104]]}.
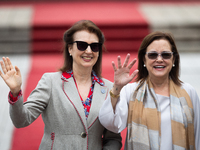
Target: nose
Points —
{"points": [[88, 49], [159, 57]]}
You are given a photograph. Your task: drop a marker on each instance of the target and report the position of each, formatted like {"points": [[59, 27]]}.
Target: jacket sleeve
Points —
{"points": [[111, 140], [23, 114], [116, 121]]}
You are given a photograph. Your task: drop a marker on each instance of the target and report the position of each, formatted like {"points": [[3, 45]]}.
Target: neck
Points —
{"points": [[161, 86], [82, 75]]}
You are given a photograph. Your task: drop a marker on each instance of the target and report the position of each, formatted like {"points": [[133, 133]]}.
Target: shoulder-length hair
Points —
{"points": [[157, 35], [69, 39]]}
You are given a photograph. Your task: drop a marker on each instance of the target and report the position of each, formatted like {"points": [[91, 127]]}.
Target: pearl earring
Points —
{"points": [[144, 65], [70, 54], [173, 65]]}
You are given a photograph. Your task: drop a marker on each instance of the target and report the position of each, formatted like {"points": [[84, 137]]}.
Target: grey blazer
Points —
{"points": [[66, 127]]}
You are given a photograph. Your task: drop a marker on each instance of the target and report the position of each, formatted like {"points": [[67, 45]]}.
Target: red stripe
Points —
{"points": [[123, 33], [29, 138], [62, 14]]}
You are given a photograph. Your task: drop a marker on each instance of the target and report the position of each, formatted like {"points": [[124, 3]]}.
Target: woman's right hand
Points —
{"points": [[122, 77], [11, 76], [122, 74]]}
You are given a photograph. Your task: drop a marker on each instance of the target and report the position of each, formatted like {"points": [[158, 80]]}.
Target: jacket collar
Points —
{"points": [[99, 95], [68, 74]]}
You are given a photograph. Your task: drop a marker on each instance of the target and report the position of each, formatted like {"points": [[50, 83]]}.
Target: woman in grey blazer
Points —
{"points": [[70, 114]]}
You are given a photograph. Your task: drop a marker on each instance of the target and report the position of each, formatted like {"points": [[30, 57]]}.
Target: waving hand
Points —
{"points": [[122, 77], [11, 76], [122, 74]]}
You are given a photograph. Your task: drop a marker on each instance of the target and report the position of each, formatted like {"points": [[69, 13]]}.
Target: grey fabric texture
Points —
{"points": [[62, 111]]}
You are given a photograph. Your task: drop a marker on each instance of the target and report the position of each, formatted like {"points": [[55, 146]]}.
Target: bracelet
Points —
{"points": [[113, 95]]}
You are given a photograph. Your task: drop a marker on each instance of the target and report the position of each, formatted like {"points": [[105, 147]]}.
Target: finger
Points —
{"points": [[3, 66], [132, 63], [126, 60], [7, 67], [114, 67], [119, 62], [18, 71], [9, 63], [134, 73], [1, 73]]}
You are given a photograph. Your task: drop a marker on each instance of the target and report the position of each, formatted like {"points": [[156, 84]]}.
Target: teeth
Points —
{"points": [[87, 58], [159, 66]]}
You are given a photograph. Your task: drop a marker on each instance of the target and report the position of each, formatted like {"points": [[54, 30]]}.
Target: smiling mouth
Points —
{"points": [[87, 58], [159, 67]]}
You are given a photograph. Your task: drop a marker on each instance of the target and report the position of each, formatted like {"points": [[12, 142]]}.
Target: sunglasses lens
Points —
{"points": [[95, 47], [81, 45], [152, 55], [166, 55]]}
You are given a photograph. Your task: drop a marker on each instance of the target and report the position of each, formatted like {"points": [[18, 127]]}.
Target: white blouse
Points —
{"points": [[117, 121], [166, 130]]}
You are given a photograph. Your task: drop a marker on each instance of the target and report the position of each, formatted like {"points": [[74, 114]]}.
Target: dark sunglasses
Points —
{"points": [[164, 55], [82, 46]]}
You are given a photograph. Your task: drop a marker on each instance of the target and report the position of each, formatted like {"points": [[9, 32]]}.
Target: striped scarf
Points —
{"points": [[144, 119]]}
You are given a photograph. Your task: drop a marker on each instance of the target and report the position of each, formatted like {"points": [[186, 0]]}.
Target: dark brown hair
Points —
{"points": [[157, 35], [69, 39]]}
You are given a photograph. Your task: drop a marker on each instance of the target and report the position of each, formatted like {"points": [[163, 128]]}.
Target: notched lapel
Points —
{"points": [[72, 94], [99, 95]]}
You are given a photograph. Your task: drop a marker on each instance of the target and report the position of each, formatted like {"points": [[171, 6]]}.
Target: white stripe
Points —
{"points": [[15, 29], [6, 126], [180, 19]]}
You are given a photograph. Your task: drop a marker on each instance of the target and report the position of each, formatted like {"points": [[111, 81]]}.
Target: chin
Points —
{"points": [[88, 65], [161, 76]]}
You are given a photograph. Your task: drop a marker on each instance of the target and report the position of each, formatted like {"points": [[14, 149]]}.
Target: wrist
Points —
{"points": [[12, 99], [116, 89], [15, 93], [113, 95]]}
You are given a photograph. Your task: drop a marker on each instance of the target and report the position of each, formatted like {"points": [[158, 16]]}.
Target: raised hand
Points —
{"points": [[122, 74], [11, 76]]}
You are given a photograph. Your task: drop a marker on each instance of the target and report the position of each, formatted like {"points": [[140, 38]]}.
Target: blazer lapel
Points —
{"points": [[99, 95], [72, 94]]}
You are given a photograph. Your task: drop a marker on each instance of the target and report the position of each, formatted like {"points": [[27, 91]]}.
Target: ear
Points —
{"points": [[144, 60], [174, 58], [70, 49]]}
